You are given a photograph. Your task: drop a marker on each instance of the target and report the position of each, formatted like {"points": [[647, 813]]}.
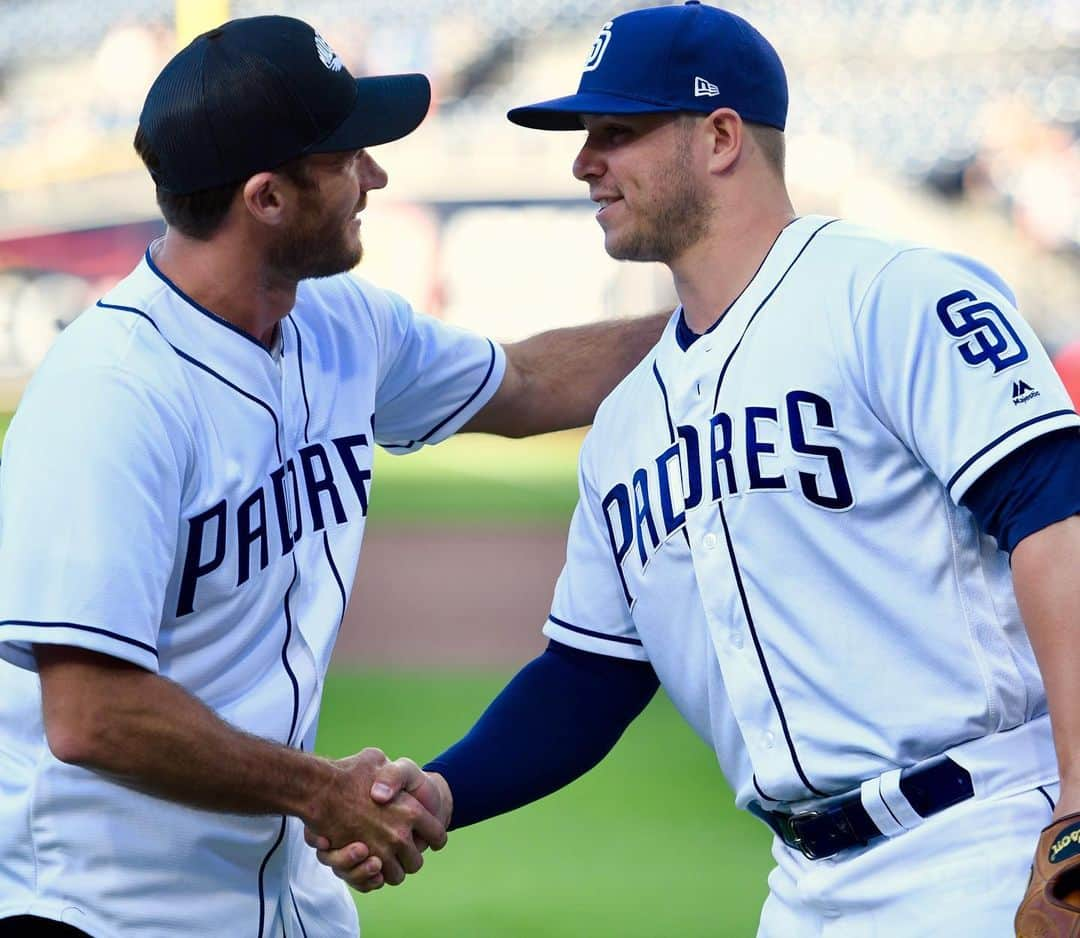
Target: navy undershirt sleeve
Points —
{"points": [[558, 717], [1033, 487]]}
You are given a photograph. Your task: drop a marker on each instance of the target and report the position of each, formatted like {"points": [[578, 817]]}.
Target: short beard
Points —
{"points": [[680, 218], [315, 248]]}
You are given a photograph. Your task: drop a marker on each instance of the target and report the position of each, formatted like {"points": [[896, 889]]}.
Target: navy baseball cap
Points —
{"points": [[258, 92], [691, 57]]}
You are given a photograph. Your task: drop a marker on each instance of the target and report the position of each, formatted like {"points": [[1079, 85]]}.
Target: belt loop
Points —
{"points": [[894, 799], [870, 796]]}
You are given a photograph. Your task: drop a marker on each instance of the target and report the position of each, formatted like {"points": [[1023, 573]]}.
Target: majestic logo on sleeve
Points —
{"points": [[599, 47], [1022, 392], [987, 335], [762, 449]]}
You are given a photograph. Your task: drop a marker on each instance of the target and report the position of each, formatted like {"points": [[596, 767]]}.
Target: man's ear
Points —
{"points": [[265, 198], [725, 132]]}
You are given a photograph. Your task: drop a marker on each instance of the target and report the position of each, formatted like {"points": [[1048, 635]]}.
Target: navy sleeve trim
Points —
{"points": [[621, 639], [1001, 439], [82, 628], [558, 717], [442, 423], [1029, 489]]}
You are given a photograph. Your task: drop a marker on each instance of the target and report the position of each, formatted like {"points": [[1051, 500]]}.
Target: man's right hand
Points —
{"points": [[402, 781], [378, 817]]}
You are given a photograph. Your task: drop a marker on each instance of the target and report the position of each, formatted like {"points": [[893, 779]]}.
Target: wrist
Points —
{"points": [[446, 796], [318, 784]]}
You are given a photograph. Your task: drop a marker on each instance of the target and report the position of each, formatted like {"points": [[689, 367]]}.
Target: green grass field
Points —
{"points": [[479, 479], [647, 845]]}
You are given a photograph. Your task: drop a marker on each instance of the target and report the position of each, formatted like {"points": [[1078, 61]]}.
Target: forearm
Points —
{"points": [[150, 734], [555, 380], [1047, 587], [553, 722]]}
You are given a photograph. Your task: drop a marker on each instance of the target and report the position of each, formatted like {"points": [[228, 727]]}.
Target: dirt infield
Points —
{"points": [[450, 598]]}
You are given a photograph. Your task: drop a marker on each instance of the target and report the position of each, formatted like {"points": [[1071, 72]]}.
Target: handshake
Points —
{"points": [[376, 818]]}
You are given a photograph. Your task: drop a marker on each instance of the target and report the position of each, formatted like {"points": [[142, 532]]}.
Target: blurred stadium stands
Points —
{"points": [[951, 121]]}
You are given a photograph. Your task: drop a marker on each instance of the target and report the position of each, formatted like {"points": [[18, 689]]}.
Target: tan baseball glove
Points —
{"points": [[1051, 906]]}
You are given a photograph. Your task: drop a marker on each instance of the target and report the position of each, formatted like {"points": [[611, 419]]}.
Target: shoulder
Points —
{"points": [[854, 255], [347, 317], [112, 370], [872, 268], [347, 300], [860, 244], [109, 342], [81, 409]]}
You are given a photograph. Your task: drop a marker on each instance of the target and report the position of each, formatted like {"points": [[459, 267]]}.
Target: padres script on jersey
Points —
{"points": [[771, 516], [205, 501]]}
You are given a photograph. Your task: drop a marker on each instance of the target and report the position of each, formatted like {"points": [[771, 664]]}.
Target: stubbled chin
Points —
{"points": [[611, 245]]}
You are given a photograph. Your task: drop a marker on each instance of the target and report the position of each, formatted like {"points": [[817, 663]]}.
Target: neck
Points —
{"points": [[715, 270], [229, 279]]}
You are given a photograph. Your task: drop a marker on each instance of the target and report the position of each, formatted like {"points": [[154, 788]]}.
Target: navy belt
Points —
{"points": [[841, 822]]}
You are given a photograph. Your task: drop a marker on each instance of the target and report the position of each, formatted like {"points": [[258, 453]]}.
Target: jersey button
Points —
{"points": [[709, 541], [736, 638], [768, 740]]}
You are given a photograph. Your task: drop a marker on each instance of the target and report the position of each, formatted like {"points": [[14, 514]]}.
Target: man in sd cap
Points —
{"points": [[833, 512], [183, 494]]}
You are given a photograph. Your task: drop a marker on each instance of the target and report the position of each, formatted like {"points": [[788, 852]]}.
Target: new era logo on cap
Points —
{"points": [[704, 89]]}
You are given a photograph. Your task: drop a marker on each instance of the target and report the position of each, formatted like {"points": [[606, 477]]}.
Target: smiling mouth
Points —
{"points": [[605, 204]]}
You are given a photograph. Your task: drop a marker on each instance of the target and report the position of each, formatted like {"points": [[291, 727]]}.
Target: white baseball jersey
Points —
{"points": [[772, 517], [173, 494]]}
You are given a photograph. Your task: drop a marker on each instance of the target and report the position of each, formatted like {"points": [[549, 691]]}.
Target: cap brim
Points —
{"points": [[565, 113], [388, 107]]}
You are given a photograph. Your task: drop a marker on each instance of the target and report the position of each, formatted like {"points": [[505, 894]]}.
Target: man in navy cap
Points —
{"points": [[184, 490], [833, 513]]}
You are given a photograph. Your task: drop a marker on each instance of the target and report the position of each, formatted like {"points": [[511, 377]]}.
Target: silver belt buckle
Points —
{"points": [[797, 840]]}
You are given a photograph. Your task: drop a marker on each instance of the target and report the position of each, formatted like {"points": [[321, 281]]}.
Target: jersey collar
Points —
{"points": [[791, 240], [198, 307], [197, 334]]}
